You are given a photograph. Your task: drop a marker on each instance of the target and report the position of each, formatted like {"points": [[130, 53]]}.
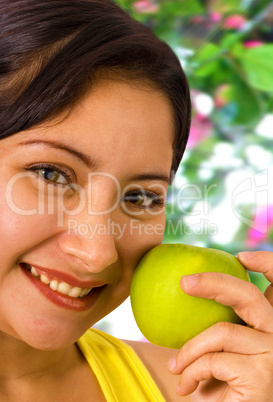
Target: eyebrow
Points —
{"points": [[90, 162], [151, 176], [93, 164]]}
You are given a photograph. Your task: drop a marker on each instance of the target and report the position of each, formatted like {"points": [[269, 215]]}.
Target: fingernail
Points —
{"points": [[246, 255], [172, 363], [190, 281]]}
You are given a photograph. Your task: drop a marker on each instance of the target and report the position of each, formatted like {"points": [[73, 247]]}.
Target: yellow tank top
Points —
{"points": [[119, 371]]}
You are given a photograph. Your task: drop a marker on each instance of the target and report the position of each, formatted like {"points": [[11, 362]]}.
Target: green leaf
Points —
{"points": [[125, 4], [206, 60], [244, 106], [247, 102], [207, 52], [258, 66], [182, 7], [226, 5], [233, 42]]}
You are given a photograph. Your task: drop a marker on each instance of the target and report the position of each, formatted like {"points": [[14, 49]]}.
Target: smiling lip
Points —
{"points": [[63, 276], [62, 300]]}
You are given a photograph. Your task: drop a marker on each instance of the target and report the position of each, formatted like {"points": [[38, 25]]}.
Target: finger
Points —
{"points": [[222, 337], [269, 294], [244, 297], [228, 367], [258, 261]]}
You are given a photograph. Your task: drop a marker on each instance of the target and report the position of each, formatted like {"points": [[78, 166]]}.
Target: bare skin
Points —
{"points": [[71, 380]]}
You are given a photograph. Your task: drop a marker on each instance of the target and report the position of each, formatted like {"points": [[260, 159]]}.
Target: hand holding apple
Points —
{"points": [[164, 313], [228, 361]]}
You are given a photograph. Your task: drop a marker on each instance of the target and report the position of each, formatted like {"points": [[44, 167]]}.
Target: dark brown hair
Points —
{"points": [[51, 52]]}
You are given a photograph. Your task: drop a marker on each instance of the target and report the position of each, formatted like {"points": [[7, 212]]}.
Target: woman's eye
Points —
{"points": [[144, 199], [52, 174]]}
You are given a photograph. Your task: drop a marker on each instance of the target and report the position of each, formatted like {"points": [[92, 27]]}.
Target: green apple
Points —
{"points": [[163, 312]]}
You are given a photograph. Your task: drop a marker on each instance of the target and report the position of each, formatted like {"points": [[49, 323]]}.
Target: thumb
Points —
{"points": [[260, 261]]}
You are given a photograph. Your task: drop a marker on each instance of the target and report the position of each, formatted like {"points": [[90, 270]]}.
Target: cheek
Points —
{"points": [[20, 228], [138, 237], [20, 233], [27, 196]]}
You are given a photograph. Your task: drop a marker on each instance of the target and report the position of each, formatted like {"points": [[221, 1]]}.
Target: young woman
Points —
{"points": [[95, 114]]}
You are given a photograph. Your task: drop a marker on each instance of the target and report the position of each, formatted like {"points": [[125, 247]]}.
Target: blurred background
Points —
{"points": [[222, 195]]}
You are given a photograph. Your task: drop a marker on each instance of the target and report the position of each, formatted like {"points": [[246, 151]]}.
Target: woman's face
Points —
{"points": [[81, 201]]}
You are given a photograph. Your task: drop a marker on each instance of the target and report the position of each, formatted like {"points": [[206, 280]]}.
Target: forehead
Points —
{"points": [[118, 123]]}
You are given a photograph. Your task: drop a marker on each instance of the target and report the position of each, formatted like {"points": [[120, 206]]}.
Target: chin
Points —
{"points": [[48, 337]]}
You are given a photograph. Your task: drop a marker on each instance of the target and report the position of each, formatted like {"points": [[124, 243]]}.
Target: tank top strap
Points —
{"points": [[119, 371]]}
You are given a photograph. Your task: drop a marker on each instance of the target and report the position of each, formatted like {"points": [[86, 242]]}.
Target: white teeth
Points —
{"points": [[62, 287], [83, 292], [75, 292], [54, 284], [34, 272], [44, 279]]}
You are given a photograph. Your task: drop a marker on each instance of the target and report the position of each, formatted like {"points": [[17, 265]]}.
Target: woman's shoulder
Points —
{"points": [[155, 358]]}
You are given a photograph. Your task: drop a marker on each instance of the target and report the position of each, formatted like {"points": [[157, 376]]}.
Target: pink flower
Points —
{"points": [[201, 128], [234, 22], [253, 43], [145, 6], [263, 220], [215, 17]]}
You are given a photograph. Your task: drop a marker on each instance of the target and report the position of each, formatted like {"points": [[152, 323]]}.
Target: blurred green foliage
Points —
{"points": [[226, 50]]}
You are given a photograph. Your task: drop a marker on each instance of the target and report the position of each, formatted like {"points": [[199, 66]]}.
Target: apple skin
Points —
{"points": [[167, 316]]}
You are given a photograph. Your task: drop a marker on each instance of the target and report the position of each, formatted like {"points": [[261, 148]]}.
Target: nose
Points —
{"points": [[93, 243]]}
